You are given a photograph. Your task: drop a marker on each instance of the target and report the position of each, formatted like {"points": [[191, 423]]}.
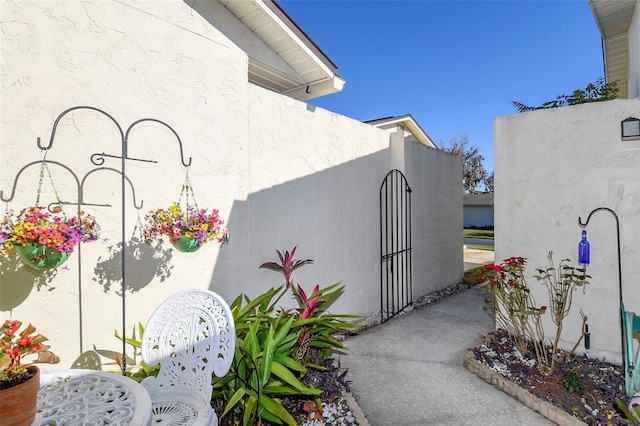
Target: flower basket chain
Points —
{"points": [[187, 226], [45, 239]]}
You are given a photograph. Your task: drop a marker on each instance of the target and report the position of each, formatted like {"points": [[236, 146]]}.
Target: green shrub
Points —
{"points": [[276, 347], [474, 276]]}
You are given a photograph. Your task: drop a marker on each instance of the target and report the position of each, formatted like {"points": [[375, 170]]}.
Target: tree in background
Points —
{"points": [[488, 183], [473, 171], [594, 92]]}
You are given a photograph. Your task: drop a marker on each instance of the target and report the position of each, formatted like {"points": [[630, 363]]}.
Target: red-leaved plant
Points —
{"points": [[314, 322], [14, 346]]}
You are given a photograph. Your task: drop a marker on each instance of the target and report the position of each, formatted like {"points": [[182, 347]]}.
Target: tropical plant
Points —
{"points": [[275, 348], [14, 346], [263, 372], [135, 371], [594, 92], [35, 225]]}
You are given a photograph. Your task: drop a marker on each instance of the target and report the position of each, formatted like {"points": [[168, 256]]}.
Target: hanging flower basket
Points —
{"points": [[44, 240], [41, 257], [186, 245], [187, 229]]}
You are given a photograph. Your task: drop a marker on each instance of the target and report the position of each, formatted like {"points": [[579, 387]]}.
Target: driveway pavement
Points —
{"points": [[408, 371]]}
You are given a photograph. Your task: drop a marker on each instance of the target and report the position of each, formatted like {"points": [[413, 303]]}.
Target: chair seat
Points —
{"points": [[178, 413], [176, 408]]}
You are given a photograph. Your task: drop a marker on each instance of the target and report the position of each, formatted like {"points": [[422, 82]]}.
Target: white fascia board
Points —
{"points": [[317, 89], [295, 38]]}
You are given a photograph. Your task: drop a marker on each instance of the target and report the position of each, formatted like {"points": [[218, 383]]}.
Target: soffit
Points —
{"points": [[314, 73], [406, 122], [614, 19]]}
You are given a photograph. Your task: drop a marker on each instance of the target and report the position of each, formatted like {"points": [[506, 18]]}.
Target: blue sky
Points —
{"points": [[453, 65]]}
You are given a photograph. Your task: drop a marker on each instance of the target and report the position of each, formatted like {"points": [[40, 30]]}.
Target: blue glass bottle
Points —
{"points": [[584, 249]]}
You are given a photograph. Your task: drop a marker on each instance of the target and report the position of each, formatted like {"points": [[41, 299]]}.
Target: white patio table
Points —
{"points": [[91, 397]]}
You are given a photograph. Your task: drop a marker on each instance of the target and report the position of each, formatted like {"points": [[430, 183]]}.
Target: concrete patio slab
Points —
{"points": [[409, 370]]}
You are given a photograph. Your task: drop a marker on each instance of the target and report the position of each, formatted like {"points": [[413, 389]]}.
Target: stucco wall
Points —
{"points": [[436, 201], [553, 166], [150, 59], [282, 173]]}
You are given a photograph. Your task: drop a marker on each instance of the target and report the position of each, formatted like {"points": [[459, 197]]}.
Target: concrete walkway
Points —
{"points": [[408, 371], [474, 258]]}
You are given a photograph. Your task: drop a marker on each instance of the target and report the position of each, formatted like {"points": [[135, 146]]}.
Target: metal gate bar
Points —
{"points": [[395, 245]]}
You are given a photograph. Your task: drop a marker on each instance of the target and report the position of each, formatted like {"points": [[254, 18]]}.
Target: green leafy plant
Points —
{"points": [[262, 373], [594, 92], [276, 347], [571, 380], [474, 276], [141, 371]]}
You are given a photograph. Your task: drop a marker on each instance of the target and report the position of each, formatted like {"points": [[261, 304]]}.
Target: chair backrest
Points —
{"points": [[191, 335]]}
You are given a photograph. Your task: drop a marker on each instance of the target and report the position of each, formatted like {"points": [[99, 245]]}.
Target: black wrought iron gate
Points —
{"points": [[395, 245]]}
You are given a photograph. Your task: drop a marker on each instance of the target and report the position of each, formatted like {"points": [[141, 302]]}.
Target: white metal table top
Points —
{"points": [[91, 397]]}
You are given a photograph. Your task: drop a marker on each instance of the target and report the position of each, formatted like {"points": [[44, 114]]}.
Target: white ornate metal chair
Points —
{"points": [[192, 336]]}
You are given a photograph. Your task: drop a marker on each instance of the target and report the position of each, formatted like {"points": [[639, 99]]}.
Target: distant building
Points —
{"points": [[478, 210]]}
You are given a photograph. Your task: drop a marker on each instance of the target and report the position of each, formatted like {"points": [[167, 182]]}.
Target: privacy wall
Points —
{"points": [[281, 172], [552, 167]]}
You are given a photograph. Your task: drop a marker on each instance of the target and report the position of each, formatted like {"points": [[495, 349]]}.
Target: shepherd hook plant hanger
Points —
{"points": [[583, 225], [98, 159], [80, 184]]}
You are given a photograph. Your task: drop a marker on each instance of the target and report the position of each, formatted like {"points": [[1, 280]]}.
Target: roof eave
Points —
{"points": [[410, 124]]}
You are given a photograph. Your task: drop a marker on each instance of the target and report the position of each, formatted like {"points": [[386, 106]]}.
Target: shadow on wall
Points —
{"points": [[151, 261], [332, 216], [17, 281]]}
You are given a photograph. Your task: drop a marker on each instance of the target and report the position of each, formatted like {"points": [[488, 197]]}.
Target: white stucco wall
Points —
{"points": [[553, 166], [149, 59], [436, 203], [282, 173]]}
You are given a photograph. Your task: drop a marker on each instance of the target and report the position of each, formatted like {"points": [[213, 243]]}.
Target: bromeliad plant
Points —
{"points": [[14, 345], [35, 225], [275, 348]]}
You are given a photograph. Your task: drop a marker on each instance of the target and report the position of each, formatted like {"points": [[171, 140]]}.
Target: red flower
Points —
{"points": [[494, 267]]}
